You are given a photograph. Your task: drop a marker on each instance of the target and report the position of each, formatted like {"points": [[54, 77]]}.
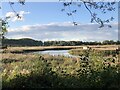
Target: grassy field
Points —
{"points": [[95, 68], [42, 48]]}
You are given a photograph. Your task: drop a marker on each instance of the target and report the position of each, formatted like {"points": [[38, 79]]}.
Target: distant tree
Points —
{"points": [[118, 42], [106, 42], [21, 42]]}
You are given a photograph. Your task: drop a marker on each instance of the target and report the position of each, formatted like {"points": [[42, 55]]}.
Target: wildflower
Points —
{"points": [[24, 71], [117, 72]]}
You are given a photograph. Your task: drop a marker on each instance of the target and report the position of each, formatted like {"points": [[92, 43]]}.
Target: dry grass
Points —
{"points": [[18, 57], [40, 48]]}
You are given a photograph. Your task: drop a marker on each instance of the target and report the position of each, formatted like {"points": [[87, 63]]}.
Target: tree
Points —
{"points": [[3, 28], [104, 7], [3, 21]]}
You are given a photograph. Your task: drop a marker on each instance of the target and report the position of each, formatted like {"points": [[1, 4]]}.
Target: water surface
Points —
{"points": [[56, 52]]}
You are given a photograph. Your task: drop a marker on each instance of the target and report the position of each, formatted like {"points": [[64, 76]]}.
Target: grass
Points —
{"points": [[42, 48], [91, 70], [105, 53]]}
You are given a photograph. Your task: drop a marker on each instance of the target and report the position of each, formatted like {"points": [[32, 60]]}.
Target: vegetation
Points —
{"points": [[103, 53], [21, 42], [94, 68], [31, 42], [91, 70], [91, 6], [4, 20], [43, 48]]}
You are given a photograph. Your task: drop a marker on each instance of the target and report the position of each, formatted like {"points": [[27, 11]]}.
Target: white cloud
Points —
{"points": [[13, 16], [65, 31], [10, 14]]}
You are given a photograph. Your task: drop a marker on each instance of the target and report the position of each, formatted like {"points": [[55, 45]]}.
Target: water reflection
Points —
{"points": [[56, 52]]}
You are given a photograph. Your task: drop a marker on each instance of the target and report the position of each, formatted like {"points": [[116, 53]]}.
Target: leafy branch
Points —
{"points": [[104, 7], [3, 21]]}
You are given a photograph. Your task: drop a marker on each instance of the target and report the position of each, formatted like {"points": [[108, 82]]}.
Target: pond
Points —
{"points": [[56, 52]]}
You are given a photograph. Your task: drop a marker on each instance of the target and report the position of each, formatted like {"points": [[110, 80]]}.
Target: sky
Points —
{"points": [[45, 21]]}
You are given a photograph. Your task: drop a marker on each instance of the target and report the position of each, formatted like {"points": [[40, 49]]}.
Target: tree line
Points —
{"points": [[31, 42], [21, 42]]}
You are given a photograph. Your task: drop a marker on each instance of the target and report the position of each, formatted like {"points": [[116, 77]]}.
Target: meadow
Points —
{"points": [[98, 67], [42, 48]]}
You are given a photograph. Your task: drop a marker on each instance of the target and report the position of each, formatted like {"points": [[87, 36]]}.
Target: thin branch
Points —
{"points": [[99, 22], [12, 7], [14, 10], [71, 15]]}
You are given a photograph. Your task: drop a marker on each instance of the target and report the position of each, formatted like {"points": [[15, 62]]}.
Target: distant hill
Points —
{"points": [[21, 42]]}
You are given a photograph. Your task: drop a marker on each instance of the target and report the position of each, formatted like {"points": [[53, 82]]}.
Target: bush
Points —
{"points": [[63, 72]]}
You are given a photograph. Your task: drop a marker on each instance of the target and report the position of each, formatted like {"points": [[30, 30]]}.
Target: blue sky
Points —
{"points": [[45, 21]]}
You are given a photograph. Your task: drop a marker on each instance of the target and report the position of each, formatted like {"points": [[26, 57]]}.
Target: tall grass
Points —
{"points": [[45, 71]]}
